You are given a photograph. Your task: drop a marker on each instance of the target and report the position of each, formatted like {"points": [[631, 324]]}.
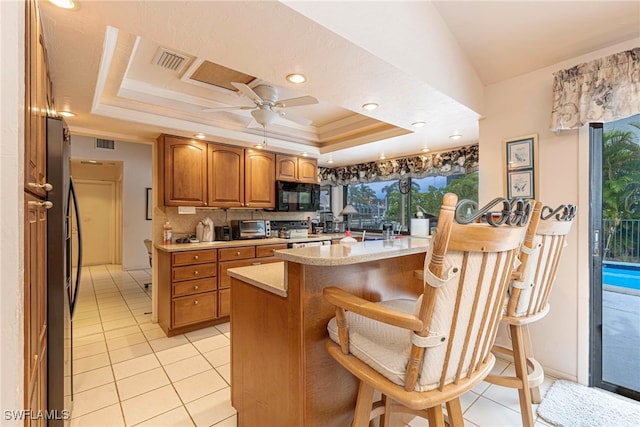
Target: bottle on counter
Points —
{"points": [[167, 232], [347, 239], [200, 231]]}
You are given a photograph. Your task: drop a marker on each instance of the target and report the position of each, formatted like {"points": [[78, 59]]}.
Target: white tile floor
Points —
{"points": [[128, 373]]}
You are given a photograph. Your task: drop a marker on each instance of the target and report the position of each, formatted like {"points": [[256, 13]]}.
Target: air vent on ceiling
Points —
{"points": [[105, 144], [170, 60]]}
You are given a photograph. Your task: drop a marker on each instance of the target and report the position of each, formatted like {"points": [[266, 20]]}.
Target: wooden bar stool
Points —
{"points": [[421, 354]]}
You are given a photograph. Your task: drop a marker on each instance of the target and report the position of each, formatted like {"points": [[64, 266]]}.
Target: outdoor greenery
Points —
{"points": [[373, 211], [621, 192]]}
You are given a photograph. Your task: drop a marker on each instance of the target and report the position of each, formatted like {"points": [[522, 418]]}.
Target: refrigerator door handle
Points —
{"points": [[72, 195]]}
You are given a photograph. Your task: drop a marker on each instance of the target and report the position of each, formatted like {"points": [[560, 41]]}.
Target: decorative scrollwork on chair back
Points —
{"points": [[562, 212], [514, 212]]}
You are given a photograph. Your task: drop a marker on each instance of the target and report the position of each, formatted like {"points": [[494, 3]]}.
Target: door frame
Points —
{"points": [[116, 255], [596, 246]]}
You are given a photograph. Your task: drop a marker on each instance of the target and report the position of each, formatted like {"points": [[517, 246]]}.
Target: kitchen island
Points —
{"points": [[281, 373]]}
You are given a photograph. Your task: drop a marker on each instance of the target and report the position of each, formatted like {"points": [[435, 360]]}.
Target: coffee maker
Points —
{"points": [[326, 219]]}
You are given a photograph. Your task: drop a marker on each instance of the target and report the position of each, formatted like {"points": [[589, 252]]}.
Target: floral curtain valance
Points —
{"points": [[603, 90], [461, 160]]}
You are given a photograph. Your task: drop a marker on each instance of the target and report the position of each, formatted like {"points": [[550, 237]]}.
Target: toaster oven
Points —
{"points": [[250, 229]]}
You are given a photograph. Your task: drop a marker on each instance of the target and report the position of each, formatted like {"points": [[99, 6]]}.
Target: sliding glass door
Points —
{"points": [[615, 252]]}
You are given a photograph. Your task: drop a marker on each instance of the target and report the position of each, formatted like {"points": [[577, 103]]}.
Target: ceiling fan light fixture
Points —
{"points": [[264, 116], [370, 106], [296, 78]]}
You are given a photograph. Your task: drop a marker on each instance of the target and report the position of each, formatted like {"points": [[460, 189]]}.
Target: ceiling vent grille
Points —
{"points": [[105, 144], [170, 60]]}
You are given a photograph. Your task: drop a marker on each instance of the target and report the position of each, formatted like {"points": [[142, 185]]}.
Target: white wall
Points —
{"points": [[11, 209], [522, 106], [136, 177]]}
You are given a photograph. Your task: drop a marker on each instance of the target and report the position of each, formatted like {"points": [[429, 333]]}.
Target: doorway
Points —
{"points": [[99, 191], [615, 256]]}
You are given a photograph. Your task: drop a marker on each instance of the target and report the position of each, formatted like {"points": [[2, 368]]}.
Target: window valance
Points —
{"points": [[460, 160], [603, 90]]}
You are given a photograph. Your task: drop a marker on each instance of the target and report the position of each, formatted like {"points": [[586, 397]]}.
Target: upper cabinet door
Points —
{"points": [[226, 176], [260, 173], [185, 172], [286, 167], [307, 170]]}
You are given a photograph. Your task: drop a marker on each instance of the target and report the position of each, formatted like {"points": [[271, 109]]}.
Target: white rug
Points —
{"points": [[569, 404]]}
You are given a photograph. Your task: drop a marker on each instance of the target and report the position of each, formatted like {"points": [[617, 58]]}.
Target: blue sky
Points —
{"points": [[436, 181]]}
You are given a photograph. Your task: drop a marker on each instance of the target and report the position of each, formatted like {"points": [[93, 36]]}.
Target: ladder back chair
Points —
{"points": [[426, 353], [528, 300]]}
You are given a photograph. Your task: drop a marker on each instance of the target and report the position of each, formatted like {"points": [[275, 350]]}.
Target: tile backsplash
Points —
{"points": [[185, 224]]}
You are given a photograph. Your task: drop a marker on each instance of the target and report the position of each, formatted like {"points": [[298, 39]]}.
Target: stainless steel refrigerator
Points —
{"points": [[62, 280]]}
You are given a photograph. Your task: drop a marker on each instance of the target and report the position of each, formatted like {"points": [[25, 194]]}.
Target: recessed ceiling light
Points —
{"points": [[425, 150], [199, 135], [305, 154], [418, 124], [330, 161], [297, 78], [66, 113], [259, 146], [455, 136], [65, 4], [382, 156], [370, 106]]}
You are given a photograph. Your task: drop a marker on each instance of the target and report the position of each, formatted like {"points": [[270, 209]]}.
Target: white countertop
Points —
{"points": [[355, 253], [269, 277], [179, 247]]}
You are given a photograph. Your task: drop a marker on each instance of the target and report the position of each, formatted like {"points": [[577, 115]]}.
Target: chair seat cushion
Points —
{"points": [[384, 347]]}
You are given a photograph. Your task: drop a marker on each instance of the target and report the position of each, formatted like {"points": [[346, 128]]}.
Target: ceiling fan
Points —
{"points": [[267, 105]]}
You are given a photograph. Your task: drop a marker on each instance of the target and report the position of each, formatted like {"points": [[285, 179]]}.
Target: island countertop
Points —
{"points": [[341, 254], [269, 277]]}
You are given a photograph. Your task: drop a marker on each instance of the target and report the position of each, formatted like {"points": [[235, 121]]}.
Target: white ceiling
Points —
{"points": [[420, 60]]}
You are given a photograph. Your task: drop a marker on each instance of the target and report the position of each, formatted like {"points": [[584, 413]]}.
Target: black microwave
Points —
{"points": [[297, 197]]}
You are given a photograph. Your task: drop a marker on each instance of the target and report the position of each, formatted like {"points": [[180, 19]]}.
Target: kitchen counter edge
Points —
{"points": [[181, 247]]}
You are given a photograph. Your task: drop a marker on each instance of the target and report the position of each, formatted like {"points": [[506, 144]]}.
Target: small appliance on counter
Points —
{"points": [[250, 229], [292, 229], [222, 233]]}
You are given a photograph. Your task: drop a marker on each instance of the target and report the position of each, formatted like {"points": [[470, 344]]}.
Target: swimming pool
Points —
{"points": [[621, 275]]}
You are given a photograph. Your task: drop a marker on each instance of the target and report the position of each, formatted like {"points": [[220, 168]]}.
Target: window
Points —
{"points": [[389, 201]]}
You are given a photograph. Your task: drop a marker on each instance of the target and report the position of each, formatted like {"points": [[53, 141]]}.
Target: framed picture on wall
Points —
{"points": [[521, 162], [149, 207], [520, 184]]}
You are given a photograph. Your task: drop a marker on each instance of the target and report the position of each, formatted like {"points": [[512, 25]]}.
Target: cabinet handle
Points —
{"points": [[195, 288], [195, 257], [205, 203], [195, 272], [195, 302], [46, 205], [237, 253], [46, 186]]}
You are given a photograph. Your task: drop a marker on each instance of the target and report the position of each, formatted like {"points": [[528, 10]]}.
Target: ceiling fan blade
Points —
{"points": [[211, 110], [296, 119], [296, 102], [248, 92]]}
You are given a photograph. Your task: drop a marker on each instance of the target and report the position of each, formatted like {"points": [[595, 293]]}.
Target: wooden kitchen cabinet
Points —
{"points": [[226, 176], [184, 162], [298, 169], [260, 183], [35, 303], [240, 257], [187, 290]]}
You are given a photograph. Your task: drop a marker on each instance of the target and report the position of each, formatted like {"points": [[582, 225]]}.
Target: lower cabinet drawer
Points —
{"points": [[194, 309], [194, 287], [224, 302], [192, 272]]}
